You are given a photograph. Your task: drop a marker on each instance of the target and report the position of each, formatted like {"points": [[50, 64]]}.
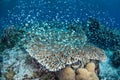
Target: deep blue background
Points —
{"points": [[22, 11]]}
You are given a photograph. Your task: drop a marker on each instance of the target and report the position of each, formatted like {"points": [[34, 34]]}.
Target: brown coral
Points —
{"points": [[67, 74], [82, 74], [93, 76], [87, 73], [91, 68]]}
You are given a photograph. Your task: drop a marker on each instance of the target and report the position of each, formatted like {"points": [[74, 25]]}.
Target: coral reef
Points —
{"points": [[10, 75], [115, 58], [1, 65], [15, 58], [45, 49], [101, 36], [18, 65], [109, 40], [108, 72], [9, 37]]}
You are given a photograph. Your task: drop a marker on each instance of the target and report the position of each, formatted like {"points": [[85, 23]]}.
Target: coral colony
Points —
{"points": [[49, 48], [55, 48]]}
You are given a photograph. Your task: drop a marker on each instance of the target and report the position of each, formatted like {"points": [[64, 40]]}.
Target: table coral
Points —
{"points": [[55, 48]]}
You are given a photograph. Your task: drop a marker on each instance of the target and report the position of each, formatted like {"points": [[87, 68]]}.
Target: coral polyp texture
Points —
{"points": [[55, 48]]}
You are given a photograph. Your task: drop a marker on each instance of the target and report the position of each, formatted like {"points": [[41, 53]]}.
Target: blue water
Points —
{"points": [[21, 11]]}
